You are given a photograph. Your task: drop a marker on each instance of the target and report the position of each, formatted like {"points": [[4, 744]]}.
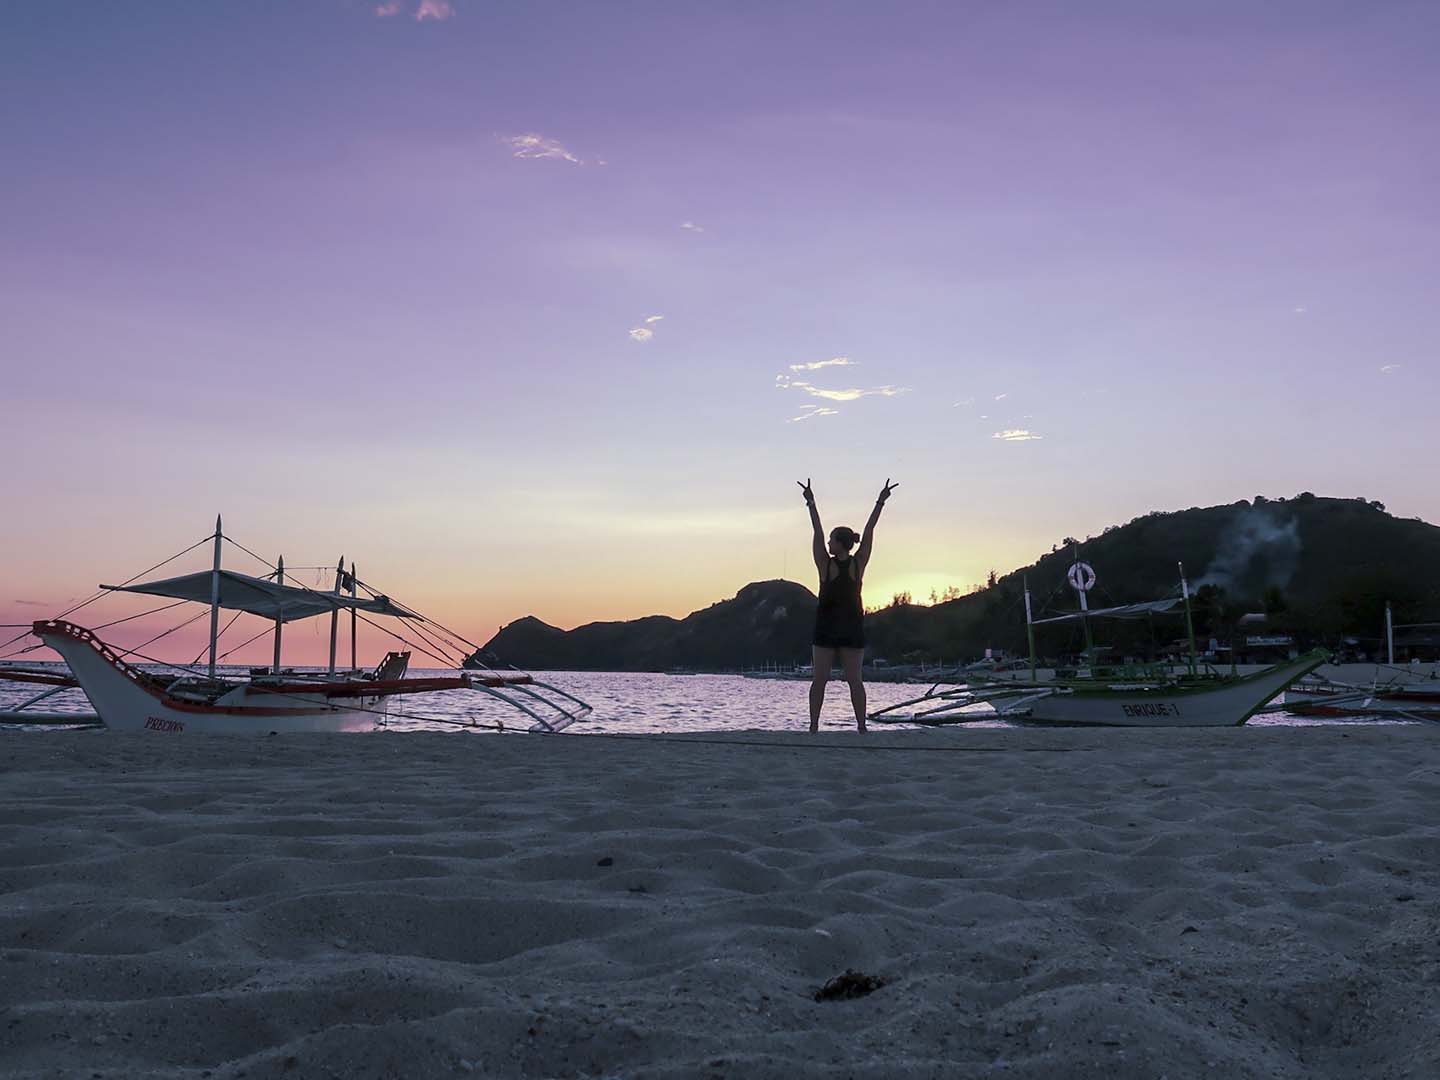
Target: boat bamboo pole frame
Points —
{"points": [[354, 594], [1389, 635], [215, 596], [335, 612], [279, 622]]}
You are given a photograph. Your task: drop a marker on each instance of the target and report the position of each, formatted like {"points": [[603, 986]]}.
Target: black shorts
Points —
{"points": [[839, 633]]}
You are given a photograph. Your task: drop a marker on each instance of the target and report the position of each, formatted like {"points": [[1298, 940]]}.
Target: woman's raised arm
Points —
{"points": [[867, 538], [818, 549]]}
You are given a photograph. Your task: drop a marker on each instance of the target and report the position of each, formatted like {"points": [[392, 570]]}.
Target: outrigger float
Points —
{"points": [[1150, 695], [183, 697]]}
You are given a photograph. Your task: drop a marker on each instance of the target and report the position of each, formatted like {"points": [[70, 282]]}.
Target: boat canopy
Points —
{"points": [[1124, 611], [260, 596]]}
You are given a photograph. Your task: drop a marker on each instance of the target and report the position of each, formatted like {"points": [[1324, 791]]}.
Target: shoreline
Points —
{"points": [[1235, 901]]}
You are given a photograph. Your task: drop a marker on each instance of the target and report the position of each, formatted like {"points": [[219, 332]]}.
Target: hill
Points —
{"points": [[1322, 568], [765, 621]]}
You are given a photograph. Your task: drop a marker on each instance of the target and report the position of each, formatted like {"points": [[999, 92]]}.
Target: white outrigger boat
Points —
{"points": [[127, 697], [1130, 696]]}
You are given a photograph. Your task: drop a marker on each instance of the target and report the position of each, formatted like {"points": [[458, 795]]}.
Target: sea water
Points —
{"points": [[630, 702]]}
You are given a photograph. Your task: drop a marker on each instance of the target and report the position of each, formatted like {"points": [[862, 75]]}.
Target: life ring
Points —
{"points": [[1081, 577]]}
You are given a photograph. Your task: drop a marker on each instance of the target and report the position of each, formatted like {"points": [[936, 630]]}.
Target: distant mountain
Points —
{"points": [[765, 621], [1321, 567]]}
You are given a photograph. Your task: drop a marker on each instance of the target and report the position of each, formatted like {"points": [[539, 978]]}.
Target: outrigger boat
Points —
{"points": [[1389, 701], [1150, 695], [1395, 693], [127, 697]]}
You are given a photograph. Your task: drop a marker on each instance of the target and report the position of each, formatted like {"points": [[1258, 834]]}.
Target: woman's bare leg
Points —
{"points": [[822, 660], [851, 659]]}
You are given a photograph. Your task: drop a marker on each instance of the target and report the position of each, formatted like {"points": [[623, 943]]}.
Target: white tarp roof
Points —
{"points": [[260, 596]]}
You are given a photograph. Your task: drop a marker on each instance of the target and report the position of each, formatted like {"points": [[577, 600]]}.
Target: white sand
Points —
{"points": [[1100, 903]]}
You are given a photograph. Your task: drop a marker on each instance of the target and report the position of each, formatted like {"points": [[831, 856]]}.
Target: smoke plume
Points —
{"points": [[1256, 551]]}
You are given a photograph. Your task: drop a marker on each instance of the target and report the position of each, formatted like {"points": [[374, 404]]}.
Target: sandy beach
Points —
{"points": [[1226, 903]]}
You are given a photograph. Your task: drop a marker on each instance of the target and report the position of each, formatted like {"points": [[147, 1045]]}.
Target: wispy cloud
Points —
{"points": [[963, 403], [1016, 435], [534, 145], [642, 331], [816, 365], [854, 393], [1389, 369], [809, 412], [425, 10], [32, 603], [1001, 397], [690, 226], [1300, 310]]}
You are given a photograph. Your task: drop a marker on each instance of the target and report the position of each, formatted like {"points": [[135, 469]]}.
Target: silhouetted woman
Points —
{"points": [[840, 615]]}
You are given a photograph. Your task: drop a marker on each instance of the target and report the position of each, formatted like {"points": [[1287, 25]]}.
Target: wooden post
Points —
{"points": [[335, 612], [1030, 629], [279, 622], [215, 597], [1190, 622]]}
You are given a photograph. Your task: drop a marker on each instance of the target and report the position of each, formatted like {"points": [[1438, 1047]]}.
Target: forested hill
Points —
{"points": [[1321, 567]]}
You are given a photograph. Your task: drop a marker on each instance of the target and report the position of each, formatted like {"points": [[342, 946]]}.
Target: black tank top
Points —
{"points": [[839, 590]]}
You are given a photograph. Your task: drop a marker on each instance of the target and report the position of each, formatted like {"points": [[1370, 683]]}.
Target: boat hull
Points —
{"points": [[126, 703], [1228, 703]]}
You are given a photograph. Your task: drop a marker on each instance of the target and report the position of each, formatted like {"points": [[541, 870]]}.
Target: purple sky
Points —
{"points": [[373, 284]]}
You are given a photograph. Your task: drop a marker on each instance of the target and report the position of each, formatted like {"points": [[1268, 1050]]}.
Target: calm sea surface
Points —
{"points": [[630, 702]]}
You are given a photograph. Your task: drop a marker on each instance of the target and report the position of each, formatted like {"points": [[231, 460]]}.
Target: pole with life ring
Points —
{"points": [[1082, 579]]}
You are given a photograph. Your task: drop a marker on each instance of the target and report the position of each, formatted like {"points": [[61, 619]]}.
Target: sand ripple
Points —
{"points": [[1225, 903]]}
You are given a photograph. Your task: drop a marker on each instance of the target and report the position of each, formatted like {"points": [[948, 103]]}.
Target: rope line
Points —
{"points": [[444, 661], [102, 592], [136, 651], [128, 618], [455, 634], [221, 634], [247, 641]]}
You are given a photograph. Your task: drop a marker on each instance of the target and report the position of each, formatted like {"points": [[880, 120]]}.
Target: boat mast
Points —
{"points": [[335, 611], [1189, 621], [215, 597], [354, 586], [279, 622], [1029, 627], [1389, 636]]}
